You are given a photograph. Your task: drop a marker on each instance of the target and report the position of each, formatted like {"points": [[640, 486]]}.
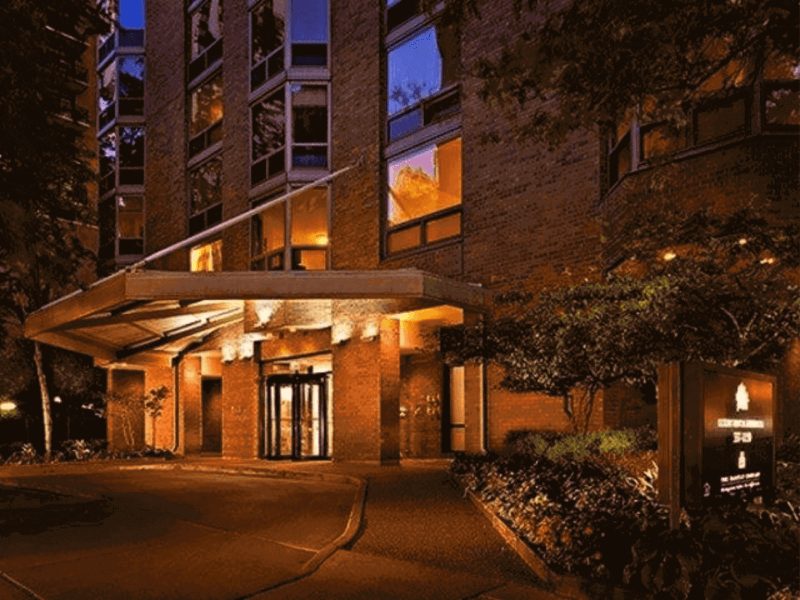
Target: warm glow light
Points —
{"points": [[321, 239], [767, 261], [228, 353], [246, 348], [7, 406], [265, 310], [57, 399], [742, 241], [370, 331], [341, 332], [669, 255]]}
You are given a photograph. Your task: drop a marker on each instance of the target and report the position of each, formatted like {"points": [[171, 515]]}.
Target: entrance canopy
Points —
{"points": [[138, 316]]}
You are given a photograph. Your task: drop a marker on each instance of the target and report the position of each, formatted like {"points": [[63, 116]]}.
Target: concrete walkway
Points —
{"points": [[191, 533]]}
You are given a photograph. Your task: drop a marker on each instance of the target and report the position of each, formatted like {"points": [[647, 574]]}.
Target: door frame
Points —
{"points": [[272, 412]]}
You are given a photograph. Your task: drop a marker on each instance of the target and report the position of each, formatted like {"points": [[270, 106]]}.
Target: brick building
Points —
{"points": [[394, 202]]}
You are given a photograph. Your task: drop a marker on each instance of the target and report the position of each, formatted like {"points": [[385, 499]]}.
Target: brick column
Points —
{"points": [[241, 410], [366, 395], [191, 405], [125, 382], [161, 433]]}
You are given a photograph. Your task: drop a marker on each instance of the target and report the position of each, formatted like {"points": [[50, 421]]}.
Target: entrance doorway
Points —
{"points": [[297, 416], [212, 414]]}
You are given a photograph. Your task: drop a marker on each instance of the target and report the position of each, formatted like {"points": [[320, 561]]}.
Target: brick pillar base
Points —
{"points": [[241, 410]]}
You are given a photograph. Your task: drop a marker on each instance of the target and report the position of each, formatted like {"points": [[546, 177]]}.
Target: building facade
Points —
{"points": [[394, 202]]}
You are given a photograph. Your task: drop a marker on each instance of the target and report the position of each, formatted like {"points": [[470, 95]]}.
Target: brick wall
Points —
{"points": [[242, 411], [191, 406], [165, 143], [161, 431]]}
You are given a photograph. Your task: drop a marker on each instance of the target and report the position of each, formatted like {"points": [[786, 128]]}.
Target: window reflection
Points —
{"points": [[206, 106], [206, 27], [131, 76], [310, 125], [425, 182], [207, 257], [267, 23], [205, 186], [309, 32], [421, 66], [131, 147]]}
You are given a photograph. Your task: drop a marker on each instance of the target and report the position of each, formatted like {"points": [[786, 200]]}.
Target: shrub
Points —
{"points": [[556, 445], [789, 450]]}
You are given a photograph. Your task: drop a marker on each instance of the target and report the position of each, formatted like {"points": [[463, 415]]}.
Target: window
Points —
{"points": [[206, 257], [781, 104], [302, 224], [107, 95], [619, 153], [424, 196], [423, 71], [310, 125], [205, 124], [206, 37], [131, 85], [205, 195], [107, 224], [268, 119], [400, 11], [659, 139], [267, 33], [131, 155], [108, 161], [130, 225], [309, 33], [720, 120]]}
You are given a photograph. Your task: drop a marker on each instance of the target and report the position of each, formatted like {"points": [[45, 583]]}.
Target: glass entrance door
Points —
{"points": [[296, 416]]}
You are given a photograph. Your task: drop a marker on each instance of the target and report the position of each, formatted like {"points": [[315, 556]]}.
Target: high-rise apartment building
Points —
{"points": [[394, 202]]}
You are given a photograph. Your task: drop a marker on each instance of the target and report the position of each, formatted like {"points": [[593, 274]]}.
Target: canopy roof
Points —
{"points": [[134, 315]]}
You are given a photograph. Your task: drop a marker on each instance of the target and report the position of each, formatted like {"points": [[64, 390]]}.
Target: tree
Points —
{"points": [[580, 63], [44, 165], [721, 289], [129, 405]]}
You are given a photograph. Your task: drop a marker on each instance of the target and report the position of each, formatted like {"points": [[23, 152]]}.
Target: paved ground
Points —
{"points": [[195, 535]]}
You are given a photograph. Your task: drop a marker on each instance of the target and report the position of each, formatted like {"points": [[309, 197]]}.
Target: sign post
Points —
{"points": [[715, 434]]}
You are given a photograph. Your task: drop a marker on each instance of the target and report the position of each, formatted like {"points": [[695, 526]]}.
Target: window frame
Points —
{"points": [[206, 136], [114, 176], [287, 252], [423, 221], [211, 57], [208, 214]]}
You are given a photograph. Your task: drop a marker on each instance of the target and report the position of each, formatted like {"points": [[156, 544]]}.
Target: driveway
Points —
{"points": [[176, 534]]}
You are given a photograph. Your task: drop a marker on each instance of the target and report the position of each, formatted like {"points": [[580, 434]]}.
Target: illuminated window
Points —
{"points": [[423, 71], [205, 119], [424, 196], [309, 33], [306, 218], [205, 195], [267, 33], [205, 40], [207, 257], [310, 125], [268, 121]]}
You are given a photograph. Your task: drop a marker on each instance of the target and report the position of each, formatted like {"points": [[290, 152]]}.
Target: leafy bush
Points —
{"points": [[78, 450], [556, 445], [591, 517], [21, 454], [789, 450]]}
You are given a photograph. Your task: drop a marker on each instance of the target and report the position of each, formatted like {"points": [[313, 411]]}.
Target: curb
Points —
{"points": [[569, 586]]}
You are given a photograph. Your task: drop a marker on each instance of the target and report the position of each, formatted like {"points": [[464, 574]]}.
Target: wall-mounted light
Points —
{"points": [[265, 310], [341, 332], [228, 353], [370, 332], [246, 348]]}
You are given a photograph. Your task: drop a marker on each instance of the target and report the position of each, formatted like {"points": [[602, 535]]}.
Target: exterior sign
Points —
{"points": [[715, 428]]}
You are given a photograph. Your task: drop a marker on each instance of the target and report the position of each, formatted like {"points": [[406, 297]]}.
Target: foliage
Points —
{"points": [[580, 63], [586, 516], [554, 446], [129, 405], [77, 451], [789, 450], [728, 295], [153, 401]]}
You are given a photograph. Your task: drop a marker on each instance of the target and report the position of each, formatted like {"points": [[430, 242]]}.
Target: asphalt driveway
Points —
{"points": [[176, 534]]}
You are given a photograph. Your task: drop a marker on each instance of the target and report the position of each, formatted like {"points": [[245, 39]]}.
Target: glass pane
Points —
{"points": [[310, 114], [421, 66], [443, 228], [782, 106], [108, 153], [206, 26], [131, 217], [269, 125], [268, 26], [404, 239], [286, 419], [721, 120], [306, 259], [106, 218], [660, 140], [310, 20], [131, 14], [310, 420], [205, 186], [621, 159], [425, 182], [131, 147], [273, 227], [108, 86], [131, 77], [206, 107], [310, 218], [207, 257]]}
